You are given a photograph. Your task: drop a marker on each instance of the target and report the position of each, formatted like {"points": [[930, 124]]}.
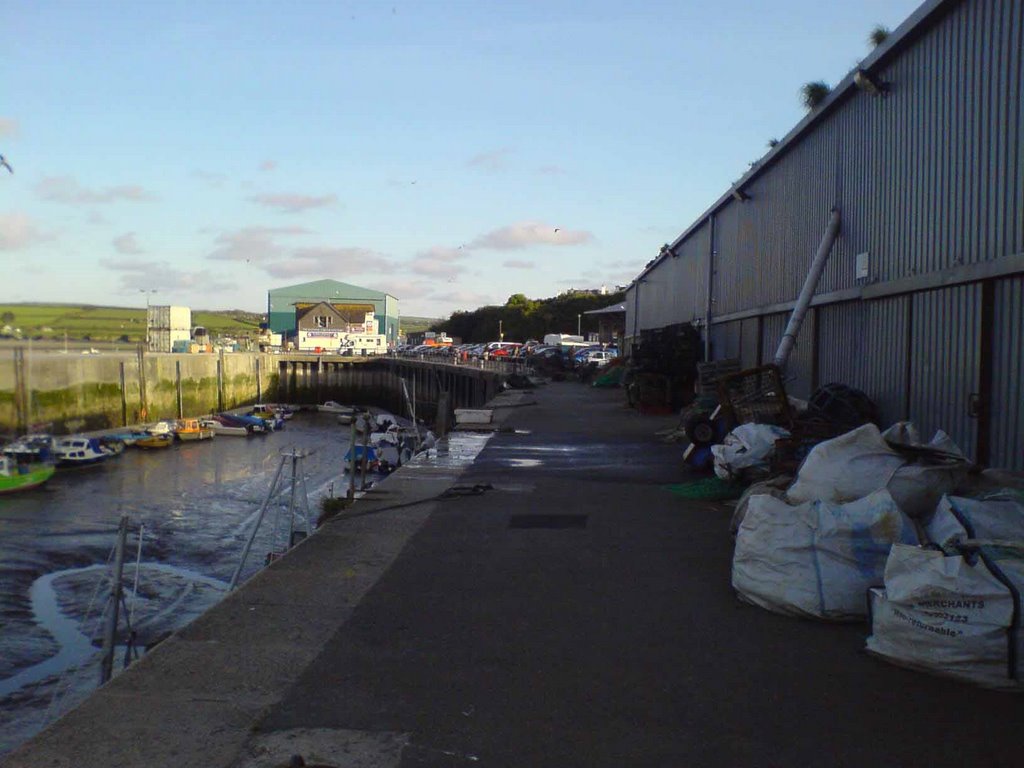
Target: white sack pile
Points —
{"points": [[956, 611], [819, 558]]}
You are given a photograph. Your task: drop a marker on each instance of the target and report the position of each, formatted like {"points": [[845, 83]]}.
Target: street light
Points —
{"points": [[579, 320]]}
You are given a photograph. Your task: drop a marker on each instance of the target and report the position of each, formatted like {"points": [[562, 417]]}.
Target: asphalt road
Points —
{"points": [[604, 632]]}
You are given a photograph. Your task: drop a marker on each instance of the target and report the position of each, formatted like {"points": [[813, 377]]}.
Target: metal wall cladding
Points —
{"points": [[765, 244], [175, 318], [931, 174], [675, 291], [864, 345], [841, 344], [799, 372], [727, 341], [945, 340], [927, 177], [1007, 449]]}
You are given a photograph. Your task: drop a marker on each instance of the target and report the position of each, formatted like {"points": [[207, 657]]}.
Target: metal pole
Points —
{"points": [[259, 519], [291, 500], [366, 451], [352, 462], [107, 662], [803, 302]]}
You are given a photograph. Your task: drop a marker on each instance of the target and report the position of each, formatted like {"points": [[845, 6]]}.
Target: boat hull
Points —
{"points": [[26, 481], [155, 441]]}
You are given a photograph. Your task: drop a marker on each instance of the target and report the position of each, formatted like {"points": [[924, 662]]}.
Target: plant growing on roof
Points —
{"points": [[814, 93], [878, 35]]}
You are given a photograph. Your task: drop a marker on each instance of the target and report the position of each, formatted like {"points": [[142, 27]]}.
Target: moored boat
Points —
{"points": [[268, 416], [221, 428], [163, 440], [191, 430], [80, 451], [15, 476], [258, 426], [30, 449]]}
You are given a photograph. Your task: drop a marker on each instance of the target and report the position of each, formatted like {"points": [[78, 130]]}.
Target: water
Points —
{"points": [[197, 503]]}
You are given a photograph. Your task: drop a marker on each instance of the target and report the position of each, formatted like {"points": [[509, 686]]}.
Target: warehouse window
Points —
{"points": [[322, 321]]}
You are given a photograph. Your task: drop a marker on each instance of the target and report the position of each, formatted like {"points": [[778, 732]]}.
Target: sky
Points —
{"points": [[449, 153]]}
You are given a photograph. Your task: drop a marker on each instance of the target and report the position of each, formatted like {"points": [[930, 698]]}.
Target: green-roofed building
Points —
{"points": [[349, 300]]}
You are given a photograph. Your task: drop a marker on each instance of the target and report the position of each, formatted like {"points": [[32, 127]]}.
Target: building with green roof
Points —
{"points": [[350, 300]]}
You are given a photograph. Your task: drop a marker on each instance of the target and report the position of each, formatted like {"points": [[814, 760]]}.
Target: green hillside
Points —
{"points": [[52, 321]]}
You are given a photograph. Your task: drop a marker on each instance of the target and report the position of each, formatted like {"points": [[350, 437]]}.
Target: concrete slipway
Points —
{"points": [[441, 634]]}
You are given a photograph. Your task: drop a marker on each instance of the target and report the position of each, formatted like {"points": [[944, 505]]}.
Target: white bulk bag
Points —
{"points": [[944, 614], [860, 462], [816, 559], [995, 516]]}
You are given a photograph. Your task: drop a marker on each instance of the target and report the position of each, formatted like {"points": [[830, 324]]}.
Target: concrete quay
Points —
{"points": [[574, 614]]}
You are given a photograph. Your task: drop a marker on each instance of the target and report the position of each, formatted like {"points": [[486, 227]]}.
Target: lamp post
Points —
{"points": [[579, 321], [501, 333], [147, 291]]}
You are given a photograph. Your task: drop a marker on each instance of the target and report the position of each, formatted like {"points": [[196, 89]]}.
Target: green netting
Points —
{"points": [[612, 378], [709, 489]]}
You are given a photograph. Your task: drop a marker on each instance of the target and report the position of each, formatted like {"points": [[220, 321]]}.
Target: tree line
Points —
{"points": [[522, 318]]}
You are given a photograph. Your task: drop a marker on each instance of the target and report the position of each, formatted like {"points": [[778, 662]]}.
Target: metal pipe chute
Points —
{"points": [[803, 302]]}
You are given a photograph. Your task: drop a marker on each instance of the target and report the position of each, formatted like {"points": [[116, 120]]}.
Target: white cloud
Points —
{"points": [[437, 261], [18, 231], [9, 128], [127, 244], [492, 162], [211, 178], [261, 247], [527, 233], [517, 264], [67, 190], [318, 261], [253, 244], [141, 275], [292, 203]]}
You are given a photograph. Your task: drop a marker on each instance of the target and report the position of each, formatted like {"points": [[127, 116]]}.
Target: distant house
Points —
{"points": [[285, 305]]}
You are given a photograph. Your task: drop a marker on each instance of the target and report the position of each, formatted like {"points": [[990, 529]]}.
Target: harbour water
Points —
{"points": [[196, 504]]}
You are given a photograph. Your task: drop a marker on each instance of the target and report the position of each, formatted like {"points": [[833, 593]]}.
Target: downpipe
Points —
{"points": [[803, 302]]}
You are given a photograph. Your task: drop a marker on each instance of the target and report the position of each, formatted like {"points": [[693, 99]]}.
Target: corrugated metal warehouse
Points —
{"points": [[928, 178], [282, 303]]}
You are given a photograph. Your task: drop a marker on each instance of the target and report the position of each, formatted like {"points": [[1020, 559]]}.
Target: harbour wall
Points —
{"points": [[72, 393]]}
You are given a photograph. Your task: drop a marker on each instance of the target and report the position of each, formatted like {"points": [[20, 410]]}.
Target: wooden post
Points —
{"points": [[124, 398], [143, 399], [20, 402], [259, 382], [443, 408], [220, 381], [177, 384]]}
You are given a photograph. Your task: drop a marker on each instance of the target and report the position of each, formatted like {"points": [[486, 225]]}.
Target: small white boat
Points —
{"points": [[165, 427], [333, 407], [220, 428], [32, 448], [79, 451]]}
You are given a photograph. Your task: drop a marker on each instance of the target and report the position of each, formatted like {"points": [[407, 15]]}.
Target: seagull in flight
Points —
{"points": [[5, 164]]}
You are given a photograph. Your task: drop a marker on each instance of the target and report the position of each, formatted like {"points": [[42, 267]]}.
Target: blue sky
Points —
{"points": [[450, 153]]}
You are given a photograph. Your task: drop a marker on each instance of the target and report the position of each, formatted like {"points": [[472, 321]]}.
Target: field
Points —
{"points": [[125, 324]]}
